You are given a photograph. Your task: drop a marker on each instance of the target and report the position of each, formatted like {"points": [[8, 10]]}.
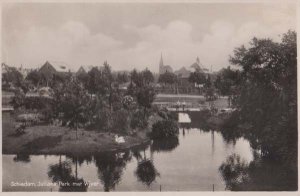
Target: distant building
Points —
{"points": [[53, 69], [24, 71], [164, 68], [41, 92], [198, 66], [5, 68], [183, 79], [47, 70], [124, 86], [10, 76], [182, 73], [81, 70]]}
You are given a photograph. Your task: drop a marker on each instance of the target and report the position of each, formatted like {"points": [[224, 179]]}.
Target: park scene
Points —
{"points": [[106, 126]]}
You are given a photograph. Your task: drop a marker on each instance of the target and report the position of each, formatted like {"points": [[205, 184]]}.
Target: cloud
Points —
{"points": [[74, 43]]}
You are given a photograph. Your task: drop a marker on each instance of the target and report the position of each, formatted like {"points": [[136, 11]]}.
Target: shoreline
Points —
{"points": [[83, 153], [52, 140], [58, 140]]}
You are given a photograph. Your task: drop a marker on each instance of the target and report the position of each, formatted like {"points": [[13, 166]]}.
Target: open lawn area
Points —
{"points": [[62, 140], [192, 100]]}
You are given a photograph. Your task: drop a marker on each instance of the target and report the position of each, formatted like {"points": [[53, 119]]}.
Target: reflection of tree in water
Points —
{"points": [[230, 135], [110, 168], [168, 144], [22, 158], [62, 172], [199, 120], [261, 174], [146, 171], [234, 171], [80, 159]]}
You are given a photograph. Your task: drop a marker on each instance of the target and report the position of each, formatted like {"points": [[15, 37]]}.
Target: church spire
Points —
{"points": [[161, 63], [198, 61]]}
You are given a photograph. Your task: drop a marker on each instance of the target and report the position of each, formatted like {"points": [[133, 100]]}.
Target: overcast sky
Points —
{"points": [[132, 35]]}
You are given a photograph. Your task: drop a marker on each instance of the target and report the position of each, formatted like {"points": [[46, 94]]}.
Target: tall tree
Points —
{"points": [[147, 76], [94, 82], [34, 76], [167, 78], [108, 83], [268, 95], [197, 77], [136, 78], [145, 97], [73, 104]]}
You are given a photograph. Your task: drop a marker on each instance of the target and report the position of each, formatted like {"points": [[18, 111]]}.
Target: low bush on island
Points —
{"points": [[164, 129], [139, 120]]}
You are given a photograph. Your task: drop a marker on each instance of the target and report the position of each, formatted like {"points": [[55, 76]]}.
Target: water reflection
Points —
{"points": [[167, 145], [234, 171], [80, 159], [146, 172], [110, 168], [196, 160], [22, 158], [61, 173], [261, 174]]}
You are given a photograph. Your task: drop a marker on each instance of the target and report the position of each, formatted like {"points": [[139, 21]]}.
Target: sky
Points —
{"points": [[134, 35]]}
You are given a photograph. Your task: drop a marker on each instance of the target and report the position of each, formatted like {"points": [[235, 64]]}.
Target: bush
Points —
{"points": [[165, 114], [127, 101], [164, 129], [102, 120], [139, 120], [120, 121]]}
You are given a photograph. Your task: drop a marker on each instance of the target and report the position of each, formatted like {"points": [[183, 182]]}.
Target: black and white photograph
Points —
{"points": [[142, 96]]}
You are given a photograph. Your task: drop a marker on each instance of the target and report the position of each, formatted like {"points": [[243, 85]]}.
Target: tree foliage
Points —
{"points": [[167, 78], [227, 81], [145, 96], [73, 104], [197, 77], [34, 76], [164, 129], [267, 99]]}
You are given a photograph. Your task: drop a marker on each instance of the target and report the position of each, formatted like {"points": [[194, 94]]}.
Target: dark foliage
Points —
{"points": [[164, 129], [261, 174], [267, 100], [165, 145], [139, 120], [146, 172]]}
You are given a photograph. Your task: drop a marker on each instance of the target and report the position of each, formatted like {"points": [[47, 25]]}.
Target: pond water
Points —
{"points": [[190, 162]]}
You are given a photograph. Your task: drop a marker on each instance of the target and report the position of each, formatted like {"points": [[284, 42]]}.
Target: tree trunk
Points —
{"points": [[76, 173], [76, 130]]}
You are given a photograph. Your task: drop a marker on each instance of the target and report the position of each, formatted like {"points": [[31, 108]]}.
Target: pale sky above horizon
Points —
{"points": [[133, 35]]}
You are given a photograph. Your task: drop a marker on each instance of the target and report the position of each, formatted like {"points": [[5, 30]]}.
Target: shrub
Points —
{"points": [[120, 121], [164, 129], [102, 120], [127, 101], [165, 114], [139, 120]]}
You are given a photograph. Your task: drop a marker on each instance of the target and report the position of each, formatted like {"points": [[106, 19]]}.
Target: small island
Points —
{"points": [[82, 113]]}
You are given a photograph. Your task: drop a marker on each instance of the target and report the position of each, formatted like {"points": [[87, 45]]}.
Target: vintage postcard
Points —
{"points": [[148, 96]]}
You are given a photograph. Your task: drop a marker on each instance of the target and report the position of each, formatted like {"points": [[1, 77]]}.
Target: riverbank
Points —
{"points": [[46, 139]]}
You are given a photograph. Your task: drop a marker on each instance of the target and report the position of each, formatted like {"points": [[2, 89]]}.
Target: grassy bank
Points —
{"points": [[62, 140]]}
